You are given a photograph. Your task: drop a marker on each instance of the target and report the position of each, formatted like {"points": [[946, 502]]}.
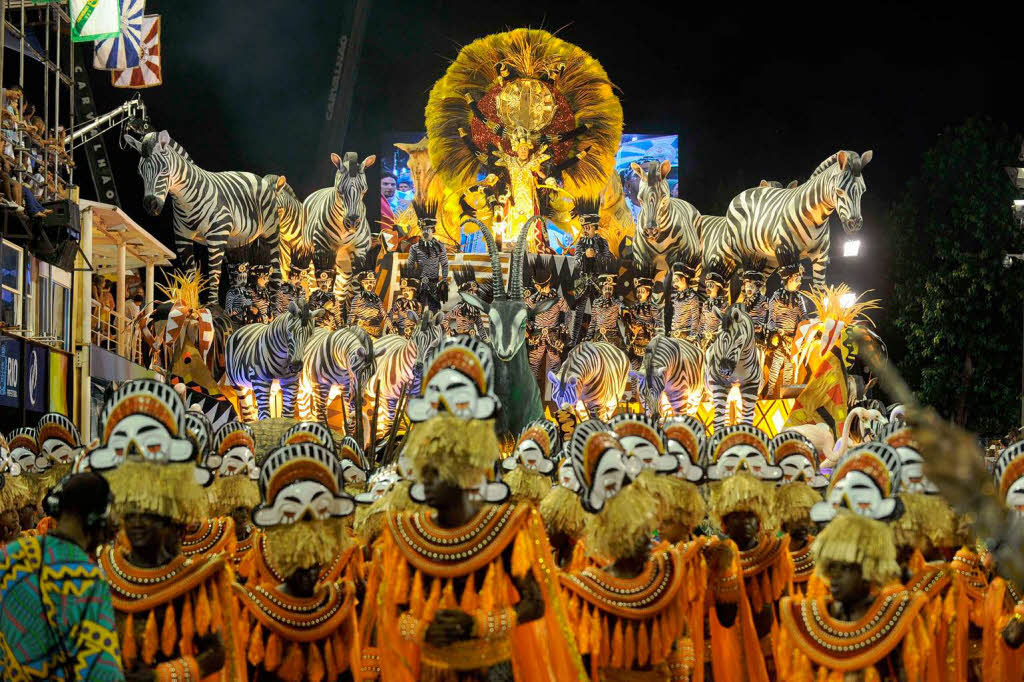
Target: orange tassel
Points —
{"points": [[275, 650], [150, 639], [332, 667], [448, 596], [340, 652], [169, 631], [643, 644], [487, 594], [243, 627], [202, 611], [293, 666], [401, 580], [657, 646], [216, 613], [129, 652], [187, 626], [522, 556], [628, 646], [606, 642], [256, 653], [470, 600], [430, 608], [416, 597], [597, 645], [581, 628], [315, 668], [617, 645]]}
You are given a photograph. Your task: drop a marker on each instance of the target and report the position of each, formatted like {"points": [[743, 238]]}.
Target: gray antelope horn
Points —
{"points": [[497, 286]]}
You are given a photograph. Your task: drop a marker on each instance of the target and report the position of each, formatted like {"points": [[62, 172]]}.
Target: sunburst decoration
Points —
{"points": [[185, 288], [829, 320]]}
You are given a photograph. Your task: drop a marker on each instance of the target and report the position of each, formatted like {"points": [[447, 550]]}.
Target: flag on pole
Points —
{"points": [[149, 72], [94, 19], [122, 51]]}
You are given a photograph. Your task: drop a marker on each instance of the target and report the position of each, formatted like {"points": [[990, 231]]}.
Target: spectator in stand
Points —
{"points": [[77, 640]]}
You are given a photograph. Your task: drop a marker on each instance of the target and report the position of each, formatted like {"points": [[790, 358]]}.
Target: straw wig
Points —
{"points": [[855, 539]]}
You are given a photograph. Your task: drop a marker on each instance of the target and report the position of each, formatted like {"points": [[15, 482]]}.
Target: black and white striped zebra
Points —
{"points": [[673, 368], [667, 227], [732, 360], [222, 210], [594, 373], [399, 367], [334, 218], [289, 220], [344, 358], [259, 353], [761, 218]]}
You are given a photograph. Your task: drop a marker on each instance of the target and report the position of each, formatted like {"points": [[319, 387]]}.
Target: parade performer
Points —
{"points": [[606, 315], [261, 296], [234, 493], [641, 616], [365, 309], [464, 318], [641, 318], [405, 309], [591, 258], [530, 467], [792, 511], [301, 628], [290, 290], [715, 304], [546, 331], [682, 307], [533, 110], [562, 512], [323, 298], [458, 379], [15, 494], [868, 626], [431, 258], [176, 616], [752, 282], [214, 534], [467, 591], [786, 310], [742, 506], [59, 444], [58, 620], [238, 302]]}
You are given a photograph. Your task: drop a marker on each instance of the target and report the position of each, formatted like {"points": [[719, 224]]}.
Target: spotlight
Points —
{"points": [[851, 248]]}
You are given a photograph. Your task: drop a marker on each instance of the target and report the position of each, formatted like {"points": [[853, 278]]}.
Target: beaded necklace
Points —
{"points": [[134, 589], [301, 619], [212, 536], [803, 562], [930, 581], [851, 645], [636, 598], [449, 552]]}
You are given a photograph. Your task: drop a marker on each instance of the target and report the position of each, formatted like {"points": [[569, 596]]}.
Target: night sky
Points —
{"points": [[754, 91]]}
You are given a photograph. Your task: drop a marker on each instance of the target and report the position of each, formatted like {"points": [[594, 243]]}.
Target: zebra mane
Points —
{"points": [[150, 141], [829, 162]]}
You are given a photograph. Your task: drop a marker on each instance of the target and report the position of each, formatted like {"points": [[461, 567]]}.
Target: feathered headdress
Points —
{"points": [[525, 87], [323, 263], [465, 277], [788, 259], [363, 267], [716, 271], [643, 276], [752, 269], [587, 210]]}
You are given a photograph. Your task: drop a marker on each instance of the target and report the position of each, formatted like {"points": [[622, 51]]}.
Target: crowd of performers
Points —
{"points": [[628, 550], [608, 300]]}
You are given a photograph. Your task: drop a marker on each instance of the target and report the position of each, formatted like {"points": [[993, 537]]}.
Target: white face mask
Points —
{"points": [[858, 492], [144, 436], [609, 478], [912, 478], [237, 461], [24, 459], [746, 456], [453, 391], [567, 477], [58, 451], [296, 499], [1015, 497], [793, 466], [530, 455]]}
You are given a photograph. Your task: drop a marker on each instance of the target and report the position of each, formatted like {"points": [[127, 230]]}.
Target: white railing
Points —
{"points": [[108, 325]]}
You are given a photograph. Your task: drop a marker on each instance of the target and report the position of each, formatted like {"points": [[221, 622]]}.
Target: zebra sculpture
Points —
{"points": [[666, 230], [289, 220], [594, 373], [400, 367], [334, 218], [761, 218], [732, 360], [222, 210], [343, 358], [673, 368], [508, 317], [259, 353]]}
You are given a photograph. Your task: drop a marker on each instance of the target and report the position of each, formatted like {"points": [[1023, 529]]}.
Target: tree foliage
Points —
{"points": [[957, 310]]}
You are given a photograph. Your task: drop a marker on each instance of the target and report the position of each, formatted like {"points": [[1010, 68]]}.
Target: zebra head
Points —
{"points": [[850, 188], [651, 378], [350, 184], [734, 338], [425, 338], [362, 360], [565, 389], [154, 168], [507, 313], [301, 323], [652, 194]]}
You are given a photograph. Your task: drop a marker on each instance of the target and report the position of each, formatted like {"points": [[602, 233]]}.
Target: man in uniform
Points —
{"points": [[430, 256]]}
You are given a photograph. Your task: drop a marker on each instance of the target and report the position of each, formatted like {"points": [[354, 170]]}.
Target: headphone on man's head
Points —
{"points": [[53, 504]]}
